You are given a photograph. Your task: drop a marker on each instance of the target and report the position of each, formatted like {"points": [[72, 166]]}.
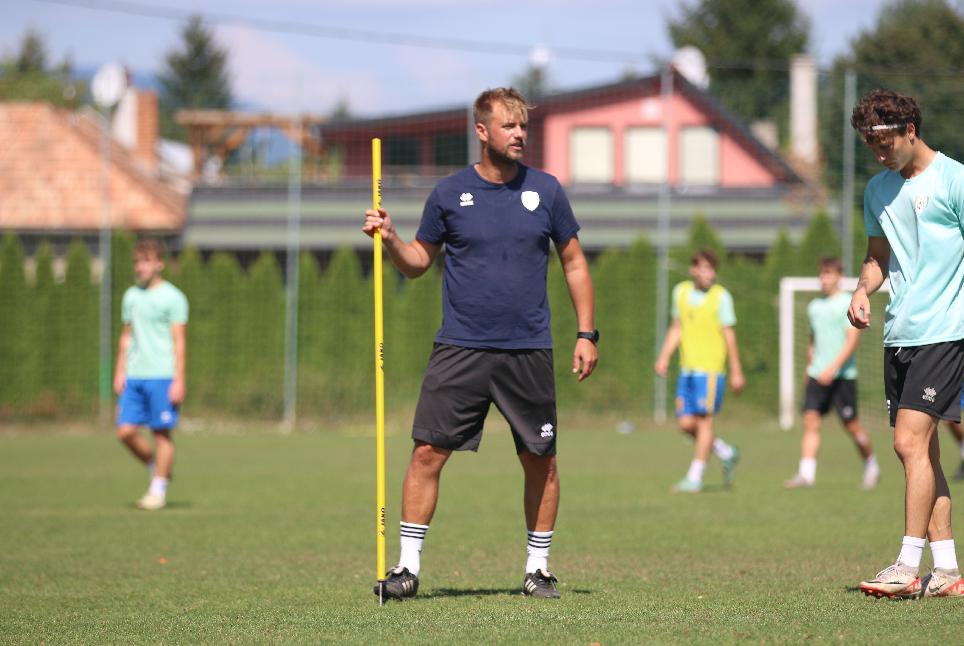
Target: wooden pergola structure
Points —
{"points": [[218, 133]]}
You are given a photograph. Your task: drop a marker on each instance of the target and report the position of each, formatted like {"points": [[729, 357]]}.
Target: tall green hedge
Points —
{"points": [[48, 348]]}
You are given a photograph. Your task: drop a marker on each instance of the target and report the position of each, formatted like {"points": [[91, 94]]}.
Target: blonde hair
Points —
{"points": [[510, 97]]}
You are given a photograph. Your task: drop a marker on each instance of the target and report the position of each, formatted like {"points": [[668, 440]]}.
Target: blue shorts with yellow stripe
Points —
{"points": [[695, 391]]}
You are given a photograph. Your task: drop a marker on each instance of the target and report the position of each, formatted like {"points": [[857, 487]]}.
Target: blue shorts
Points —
{"points": [[695, 390], [144, 402]]}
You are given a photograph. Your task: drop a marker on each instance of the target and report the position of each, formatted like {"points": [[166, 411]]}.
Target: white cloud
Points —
{"points": [[267, 72]]}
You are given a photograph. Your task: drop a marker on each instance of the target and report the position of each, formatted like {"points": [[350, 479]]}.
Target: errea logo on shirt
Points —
{"points": [[465, 199]]}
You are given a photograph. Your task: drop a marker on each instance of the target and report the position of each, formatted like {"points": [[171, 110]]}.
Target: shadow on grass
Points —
{"points": [[441, 593], [170, 506]]}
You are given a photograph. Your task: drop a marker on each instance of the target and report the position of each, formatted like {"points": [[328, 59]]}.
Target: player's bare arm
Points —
{"points": [[178, 387], [576, 270], [737, 381], [120, 370], [670, 343], [872, 275], [411, 258], [850, 346]]}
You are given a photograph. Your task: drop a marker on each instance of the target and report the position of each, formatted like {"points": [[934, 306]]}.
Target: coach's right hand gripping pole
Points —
{"points": [[379, 377]]}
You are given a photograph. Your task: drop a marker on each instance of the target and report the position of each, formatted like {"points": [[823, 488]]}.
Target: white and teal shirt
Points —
{"points": [[829, 327], [921, 219], [150, 312]]}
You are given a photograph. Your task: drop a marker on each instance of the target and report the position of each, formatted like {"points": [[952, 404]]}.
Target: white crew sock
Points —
{"points": [[412, 538], [722, 450], [152, 468], [808, 469], [911, 550], [158, 486], [870, 464], [537, 548], [945, 556], [962, 450], [695, 473]]}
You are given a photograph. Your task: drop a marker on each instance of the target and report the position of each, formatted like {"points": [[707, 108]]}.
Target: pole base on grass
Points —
{"points": [[381, 592]]}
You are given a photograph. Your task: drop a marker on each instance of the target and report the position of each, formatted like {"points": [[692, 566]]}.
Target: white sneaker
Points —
{"points": [[797, 482], [870, 479], [151, 502]]}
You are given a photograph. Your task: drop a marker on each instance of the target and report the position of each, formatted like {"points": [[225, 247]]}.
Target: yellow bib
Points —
{"points": [[702, 346]]}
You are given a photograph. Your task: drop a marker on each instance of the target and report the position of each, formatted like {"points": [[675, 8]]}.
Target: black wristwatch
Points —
{"points": [[592, 336]]}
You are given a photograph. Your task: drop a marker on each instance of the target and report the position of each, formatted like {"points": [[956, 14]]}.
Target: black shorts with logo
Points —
{"points": [[460, 384], [926, 378], [841, 393]]}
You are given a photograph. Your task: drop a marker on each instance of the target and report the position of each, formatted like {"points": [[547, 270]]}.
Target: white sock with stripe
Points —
{"points": [[412, 536], [538, 550]]}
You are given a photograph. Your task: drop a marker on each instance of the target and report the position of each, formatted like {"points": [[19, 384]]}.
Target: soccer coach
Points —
{"points": [[495, 219]]}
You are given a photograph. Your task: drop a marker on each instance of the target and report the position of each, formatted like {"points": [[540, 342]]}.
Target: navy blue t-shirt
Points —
{"points": [[496, 240]]}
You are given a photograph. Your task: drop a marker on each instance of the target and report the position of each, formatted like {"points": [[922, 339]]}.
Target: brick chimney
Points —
{"points": [[148, 124], [135, 126]]}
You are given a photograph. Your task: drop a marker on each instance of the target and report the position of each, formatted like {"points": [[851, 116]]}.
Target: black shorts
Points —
{"points": [[841, 393], [460, 384], [926, 378]]}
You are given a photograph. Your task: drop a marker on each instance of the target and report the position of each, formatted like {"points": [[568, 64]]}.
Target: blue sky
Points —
{"points": [[288, 72]]}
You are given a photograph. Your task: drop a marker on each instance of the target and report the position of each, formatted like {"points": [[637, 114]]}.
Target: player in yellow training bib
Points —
{"points": [[702, 328]]}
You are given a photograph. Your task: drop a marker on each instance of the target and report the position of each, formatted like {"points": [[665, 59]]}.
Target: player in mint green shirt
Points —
{"points": [[913, 218], [831, 377], [149, 377]]}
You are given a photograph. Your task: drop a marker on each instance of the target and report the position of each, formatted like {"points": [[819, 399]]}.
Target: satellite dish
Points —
{"points": [[689, 61], [540, 56], [109, 84]]}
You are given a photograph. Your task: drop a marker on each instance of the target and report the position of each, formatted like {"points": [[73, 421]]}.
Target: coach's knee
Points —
{"points": [[428, 459]]}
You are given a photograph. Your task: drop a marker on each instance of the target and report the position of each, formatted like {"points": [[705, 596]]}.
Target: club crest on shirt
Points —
{"points": [[530, 200], [920, 204]]}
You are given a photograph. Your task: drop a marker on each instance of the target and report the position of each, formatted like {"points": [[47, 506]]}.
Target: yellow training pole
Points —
{"points": [[379, 376]]}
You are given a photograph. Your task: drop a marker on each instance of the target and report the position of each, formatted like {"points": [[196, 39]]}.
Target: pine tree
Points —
{"points": [[80, 309], [14, 324], [742, 39], [194, 76]]}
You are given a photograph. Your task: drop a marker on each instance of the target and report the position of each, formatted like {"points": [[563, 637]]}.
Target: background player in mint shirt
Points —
{"points": [[831, 377], [149, 377], [912, 215]]}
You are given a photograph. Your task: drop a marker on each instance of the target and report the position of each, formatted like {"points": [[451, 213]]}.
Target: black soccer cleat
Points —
{"points": [[959, 474], [399, 584], [540, 584]]}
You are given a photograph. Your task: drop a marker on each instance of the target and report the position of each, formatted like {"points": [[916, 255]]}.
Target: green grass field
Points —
{"points": [[269, 538]]}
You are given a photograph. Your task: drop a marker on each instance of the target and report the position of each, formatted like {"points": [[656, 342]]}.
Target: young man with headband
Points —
{"points": [[496, 220], [913, 217], [831, 378]]}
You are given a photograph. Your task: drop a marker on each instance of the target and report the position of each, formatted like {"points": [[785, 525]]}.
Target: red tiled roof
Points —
{"points": [[50, 176]]}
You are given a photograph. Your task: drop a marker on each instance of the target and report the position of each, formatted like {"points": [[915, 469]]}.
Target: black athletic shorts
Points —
{"points": [[926, 378], [841, 393], [460, 384]]}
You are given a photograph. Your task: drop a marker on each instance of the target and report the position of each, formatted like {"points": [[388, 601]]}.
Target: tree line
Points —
{"points": [[49, 344]]}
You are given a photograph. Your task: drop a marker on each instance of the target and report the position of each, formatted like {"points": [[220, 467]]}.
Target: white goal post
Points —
{"points": [[789, 286]]}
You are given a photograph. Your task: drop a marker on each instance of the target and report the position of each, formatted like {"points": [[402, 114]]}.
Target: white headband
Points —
{"points": [[885, 126]]}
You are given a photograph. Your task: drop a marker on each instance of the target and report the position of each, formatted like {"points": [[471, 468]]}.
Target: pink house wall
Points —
{"points": [[738, 167]]}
